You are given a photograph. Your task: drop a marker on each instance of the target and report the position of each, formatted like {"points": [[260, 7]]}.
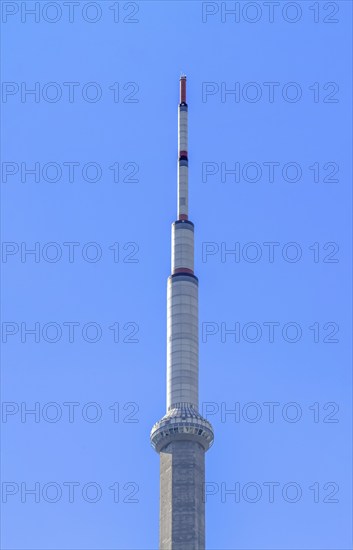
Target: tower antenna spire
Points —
{"points": [[182, 436]]}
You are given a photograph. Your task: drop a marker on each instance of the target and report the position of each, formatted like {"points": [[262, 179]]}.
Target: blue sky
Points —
{"points": [[105, 154]]}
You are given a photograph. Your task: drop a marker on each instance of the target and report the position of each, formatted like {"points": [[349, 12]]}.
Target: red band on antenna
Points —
{"points": [[183, 89]]}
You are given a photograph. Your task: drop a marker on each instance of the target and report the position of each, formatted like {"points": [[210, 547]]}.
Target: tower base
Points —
{"points": [[182, 499]]}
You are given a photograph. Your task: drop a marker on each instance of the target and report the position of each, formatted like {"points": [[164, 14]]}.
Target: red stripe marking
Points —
{"points": [[183, 217], [183, 90], [183, 270]]}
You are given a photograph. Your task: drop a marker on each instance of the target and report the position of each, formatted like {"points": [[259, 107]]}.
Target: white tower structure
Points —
{"points": [[182, 436]]}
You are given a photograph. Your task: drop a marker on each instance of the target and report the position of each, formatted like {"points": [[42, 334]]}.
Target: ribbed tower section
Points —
{"points": [[182, 436]]}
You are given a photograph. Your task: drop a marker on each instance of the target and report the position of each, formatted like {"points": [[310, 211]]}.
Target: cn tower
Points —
{"points": [[182, 436]]}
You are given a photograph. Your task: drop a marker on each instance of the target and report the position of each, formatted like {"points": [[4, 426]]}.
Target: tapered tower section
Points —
{"points": [[182, 436]]}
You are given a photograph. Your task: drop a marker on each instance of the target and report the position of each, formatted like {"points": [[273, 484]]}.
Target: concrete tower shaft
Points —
{"points": [[182, 436]]}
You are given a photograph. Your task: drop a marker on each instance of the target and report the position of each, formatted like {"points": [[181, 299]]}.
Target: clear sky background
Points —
{"points": [[307, 462]]}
